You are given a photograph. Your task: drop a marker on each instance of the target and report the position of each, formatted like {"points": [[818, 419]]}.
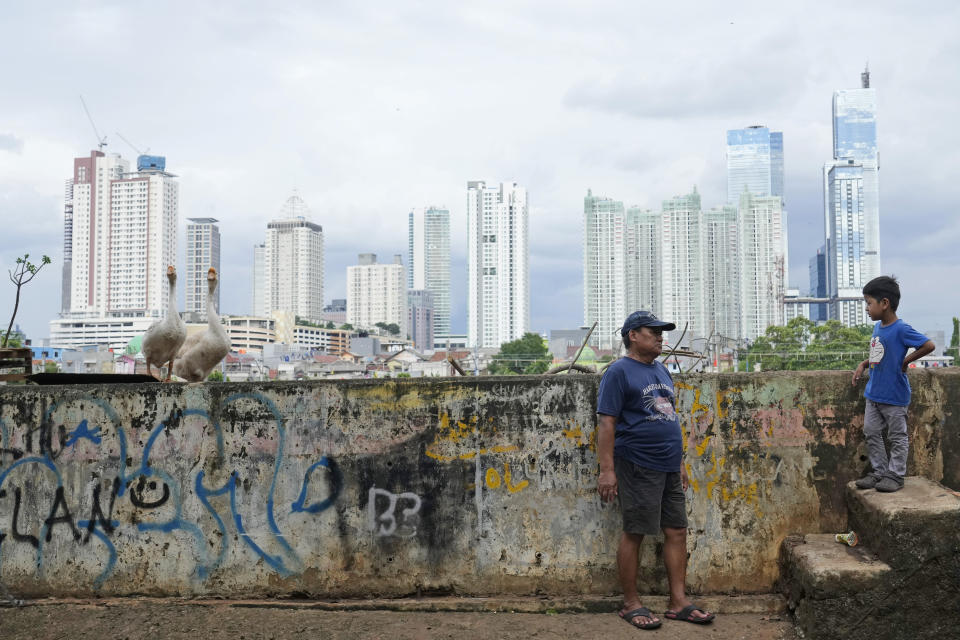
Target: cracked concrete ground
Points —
{"points": [[136, 619]]}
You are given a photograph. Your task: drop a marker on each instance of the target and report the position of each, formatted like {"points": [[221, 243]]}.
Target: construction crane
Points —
{"points": [[101, 140], [130, 144]]}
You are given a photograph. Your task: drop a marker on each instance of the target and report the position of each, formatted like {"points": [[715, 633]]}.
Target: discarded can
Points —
{"points": [[849, 539]]}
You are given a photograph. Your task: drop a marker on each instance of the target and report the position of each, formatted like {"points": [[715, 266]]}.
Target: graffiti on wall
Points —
{"points": [[152, 496]]}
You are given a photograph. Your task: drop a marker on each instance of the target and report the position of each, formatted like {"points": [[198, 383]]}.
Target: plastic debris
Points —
{"points": [[849, 539]]}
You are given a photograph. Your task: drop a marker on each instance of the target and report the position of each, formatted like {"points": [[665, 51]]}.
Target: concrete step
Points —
{"points": [[826, 583], [920, 524], [817, 566]]}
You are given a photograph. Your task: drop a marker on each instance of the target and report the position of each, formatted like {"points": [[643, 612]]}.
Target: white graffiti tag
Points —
{"points": [[385, 523]]}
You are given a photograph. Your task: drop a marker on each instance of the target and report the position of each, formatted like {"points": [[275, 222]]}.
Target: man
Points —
{"points": [[641, 462]]}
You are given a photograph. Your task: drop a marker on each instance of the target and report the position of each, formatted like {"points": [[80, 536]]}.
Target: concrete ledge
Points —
{"points": [[386, 488], [917, 524], [819, 567], [770, 604]]}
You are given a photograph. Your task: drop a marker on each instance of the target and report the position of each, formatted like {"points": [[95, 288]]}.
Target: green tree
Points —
{"points": [[24, 272], [215, 376], [50, 367], [13, 340], [330, 325], [392, 328], [802, 345], [526, 355], [347, 327]]}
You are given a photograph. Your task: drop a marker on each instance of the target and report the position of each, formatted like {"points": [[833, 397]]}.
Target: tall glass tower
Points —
{"points": [[852, 201], [754, 162]]}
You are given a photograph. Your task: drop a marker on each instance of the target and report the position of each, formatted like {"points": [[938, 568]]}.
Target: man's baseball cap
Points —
{"points": [[639, 319]]}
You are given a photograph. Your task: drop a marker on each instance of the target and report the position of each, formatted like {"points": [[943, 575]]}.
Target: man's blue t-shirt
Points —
{"points": [[640, 396], [888, 347]]}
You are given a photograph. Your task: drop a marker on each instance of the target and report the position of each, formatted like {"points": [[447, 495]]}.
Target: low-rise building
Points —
{"points": [[249, 333]]}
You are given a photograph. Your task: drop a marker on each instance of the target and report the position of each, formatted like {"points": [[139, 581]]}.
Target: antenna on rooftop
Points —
{"points": [[865, 76], [101, 140]]}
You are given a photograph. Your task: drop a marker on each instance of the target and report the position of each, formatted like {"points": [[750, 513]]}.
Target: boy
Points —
{"points": [[888, 392]]}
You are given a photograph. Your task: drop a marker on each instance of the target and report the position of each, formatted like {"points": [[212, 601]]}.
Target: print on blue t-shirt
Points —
{"points": [[888, 347], [640, 396]]}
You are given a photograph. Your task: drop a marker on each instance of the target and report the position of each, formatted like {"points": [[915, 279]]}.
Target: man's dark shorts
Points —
{"points": [[649, 500]]}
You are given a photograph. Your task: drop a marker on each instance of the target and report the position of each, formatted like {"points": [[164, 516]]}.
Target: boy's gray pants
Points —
{"points": [[893, 418]]}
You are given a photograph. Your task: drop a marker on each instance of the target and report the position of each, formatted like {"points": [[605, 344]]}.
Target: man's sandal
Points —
{"points": [[630, 618], [685, 615]]}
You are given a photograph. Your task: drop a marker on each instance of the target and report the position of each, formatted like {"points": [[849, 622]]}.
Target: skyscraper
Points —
{"points": [[377, 293], [120, 234], [721, 272], [852, 201], [818, 285], [498, 303], [293, 263], [683, 263], [643, 249], [754, 162], [203, 252], [123, 235], [66, 269], [429, 260], [604, 268], [762, 249], [258, 305]]}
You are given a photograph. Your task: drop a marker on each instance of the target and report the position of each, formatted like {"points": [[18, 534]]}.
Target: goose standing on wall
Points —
{"points": [[204, 351], [164, 337]]}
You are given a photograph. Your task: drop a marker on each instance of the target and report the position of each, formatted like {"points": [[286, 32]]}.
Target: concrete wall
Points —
{"points": [[471, 486]]}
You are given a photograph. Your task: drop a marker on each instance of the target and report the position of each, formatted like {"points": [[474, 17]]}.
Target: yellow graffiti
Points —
{"points": [[470, 455], [712, 475], [513, 488], [493, 480], [723, 401], [452, 435], [384, 398], [702, 447], [693, 481], [575, 433]]}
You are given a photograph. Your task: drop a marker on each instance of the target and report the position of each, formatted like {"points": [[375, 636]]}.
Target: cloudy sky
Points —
{"points": [[371, 108]]}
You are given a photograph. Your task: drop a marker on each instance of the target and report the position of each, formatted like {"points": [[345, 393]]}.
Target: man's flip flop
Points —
{"points": [[684, 615], [641, 612]]}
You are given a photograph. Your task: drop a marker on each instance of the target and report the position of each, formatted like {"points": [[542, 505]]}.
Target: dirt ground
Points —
{"points": [[139, 619]]}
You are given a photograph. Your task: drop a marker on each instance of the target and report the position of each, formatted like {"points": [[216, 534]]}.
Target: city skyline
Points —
{"points": [[583, 121]]}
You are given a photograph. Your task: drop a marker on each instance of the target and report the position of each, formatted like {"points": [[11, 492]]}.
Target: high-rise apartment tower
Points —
{"points": [[293, 263], [498, 302], [604, 268], [203, 252], [428, 260]]}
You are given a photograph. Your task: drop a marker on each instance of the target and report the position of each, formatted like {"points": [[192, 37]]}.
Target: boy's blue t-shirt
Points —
{"points": [[888, 347], [640, 396]]}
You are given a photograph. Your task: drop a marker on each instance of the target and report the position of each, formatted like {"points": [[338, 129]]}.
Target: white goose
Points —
{"points": [[203, 351], [164, 337]]}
